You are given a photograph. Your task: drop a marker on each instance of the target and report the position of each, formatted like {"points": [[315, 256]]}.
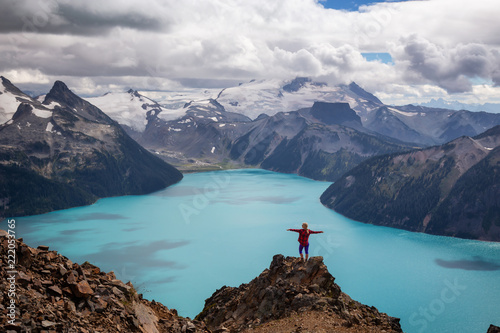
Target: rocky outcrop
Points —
{"points": [[493, 329], [53, 294], [290, 287]]}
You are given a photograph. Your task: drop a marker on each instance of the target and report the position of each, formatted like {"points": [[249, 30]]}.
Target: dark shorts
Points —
{"points": [[304, 247]]}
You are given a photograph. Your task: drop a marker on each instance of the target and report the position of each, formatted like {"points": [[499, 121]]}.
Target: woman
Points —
{"points": [[304, 239]]}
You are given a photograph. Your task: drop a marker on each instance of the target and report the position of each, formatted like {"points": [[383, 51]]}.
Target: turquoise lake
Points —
{"points": [[221, 228]]}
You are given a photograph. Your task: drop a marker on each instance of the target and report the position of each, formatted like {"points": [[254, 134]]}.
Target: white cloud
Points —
{"points": [[442, 44]]}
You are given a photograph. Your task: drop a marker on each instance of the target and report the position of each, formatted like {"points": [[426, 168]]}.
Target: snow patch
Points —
{"points": [[222, 125], [407, 114], [8, 106], [42, 113], [185, 121], [213, 150], [214, 119], [127, 109], [174, 129], [52, 105], [49, 127]]}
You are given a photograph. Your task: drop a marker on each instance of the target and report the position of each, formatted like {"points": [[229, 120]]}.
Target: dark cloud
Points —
{"points": [[91, 23], [450, 68], [56, 17]]}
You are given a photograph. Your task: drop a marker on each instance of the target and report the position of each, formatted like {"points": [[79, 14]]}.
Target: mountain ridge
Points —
{"points": [[450, 190], [71, 147]]}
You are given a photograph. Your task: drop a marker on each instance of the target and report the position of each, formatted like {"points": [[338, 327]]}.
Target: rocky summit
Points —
{"points": [[291, 289]]}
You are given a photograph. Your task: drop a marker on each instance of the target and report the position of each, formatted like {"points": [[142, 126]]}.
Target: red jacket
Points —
{"points": [[304, 235]]}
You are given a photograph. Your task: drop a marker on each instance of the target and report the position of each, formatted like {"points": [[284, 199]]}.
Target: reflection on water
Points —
{"points": [[477, 264]]}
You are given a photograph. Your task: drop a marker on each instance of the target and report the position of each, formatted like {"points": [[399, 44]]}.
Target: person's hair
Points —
{"points": [[306, 225]]}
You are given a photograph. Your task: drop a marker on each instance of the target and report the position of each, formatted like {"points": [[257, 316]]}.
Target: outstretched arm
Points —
{"points": [[315, 232], [296, 230]]}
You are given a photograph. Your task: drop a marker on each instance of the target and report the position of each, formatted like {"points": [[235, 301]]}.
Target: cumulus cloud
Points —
{"points": [[450, 68], [445, 44]]}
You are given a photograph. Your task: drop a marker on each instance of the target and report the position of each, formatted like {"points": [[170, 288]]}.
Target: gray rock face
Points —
{"points": [[321, 142]]}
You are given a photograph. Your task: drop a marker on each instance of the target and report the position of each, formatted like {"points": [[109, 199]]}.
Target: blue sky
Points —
{"points": [[350, 5]]}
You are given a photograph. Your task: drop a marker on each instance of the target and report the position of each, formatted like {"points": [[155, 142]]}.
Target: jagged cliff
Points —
{"points": [[289, 290]]}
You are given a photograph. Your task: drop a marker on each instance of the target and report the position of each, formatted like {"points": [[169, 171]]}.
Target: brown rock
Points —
{"points": [[82, 289], [56, 290], [71, 279], [70, 306], [62, 270], [43, 248], [47, 282], [48, 323], [23, 278]]}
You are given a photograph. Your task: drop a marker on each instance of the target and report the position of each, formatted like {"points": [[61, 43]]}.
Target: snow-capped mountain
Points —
{"points": [[130, 109], [273, 96]]}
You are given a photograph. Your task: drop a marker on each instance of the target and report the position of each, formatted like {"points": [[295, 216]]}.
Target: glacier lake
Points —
{"points": [[179, 245]]}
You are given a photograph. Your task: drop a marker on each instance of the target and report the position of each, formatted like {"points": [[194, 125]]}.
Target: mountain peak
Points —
{"points": [[289, 286], [355, 88], [134, 92], [9, 86], [61, 94]]}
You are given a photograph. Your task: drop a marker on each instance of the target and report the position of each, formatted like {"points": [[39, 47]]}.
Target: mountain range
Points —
{"points": [[61, 151], [456, 105], [84, 149]]}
